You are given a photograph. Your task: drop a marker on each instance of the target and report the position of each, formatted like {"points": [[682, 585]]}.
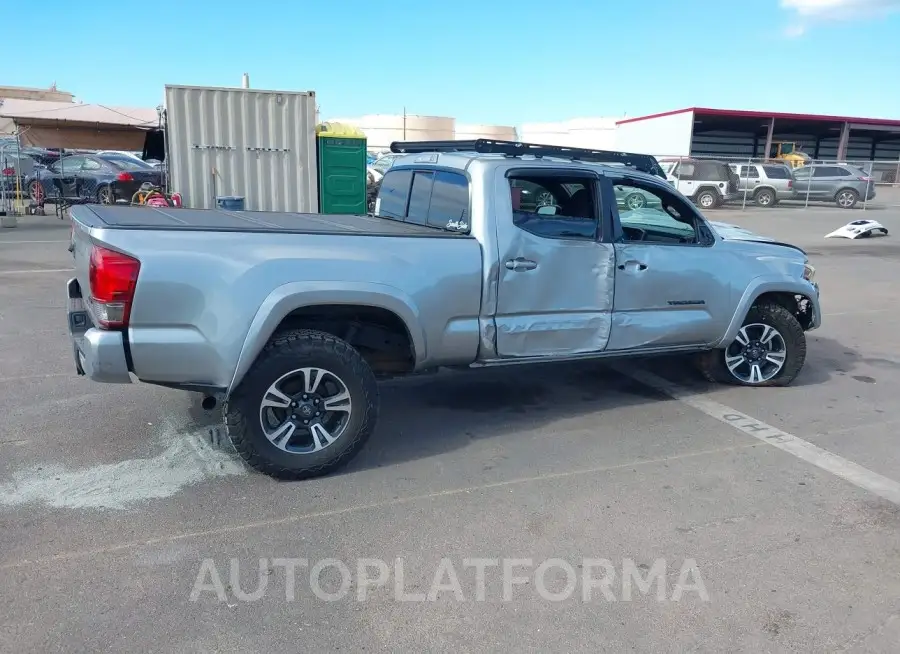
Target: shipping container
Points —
{"points": [[242, 143]]}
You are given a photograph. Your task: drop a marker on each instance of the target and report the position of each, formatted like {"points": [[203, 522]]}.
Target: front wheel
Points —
{"points": [[635, 201], [770, 350], [305, 408], [764, 198]]}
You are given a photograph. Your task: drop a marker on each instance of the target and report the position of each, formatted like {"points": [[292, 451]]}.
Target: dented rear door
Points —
{"points": [[556, 279]]}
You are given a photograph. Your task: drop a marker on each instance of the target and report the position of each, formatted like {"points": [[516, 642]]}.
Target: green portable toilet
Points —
{"points": [[341, 153]]}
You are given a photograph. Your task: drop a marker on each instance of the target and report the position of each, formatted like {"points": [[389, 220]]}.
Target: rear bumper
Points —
{"points": [[99, 354]]}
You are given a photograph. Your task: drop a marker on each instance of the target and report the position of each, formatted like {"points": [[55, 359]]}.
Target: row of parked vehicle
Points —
{"points": [[711, 183], [104, 177]]}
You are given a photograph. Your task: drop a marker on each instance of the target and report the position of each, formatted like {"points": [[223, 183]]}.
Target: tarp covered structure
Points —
{"points": [[77, 126]]}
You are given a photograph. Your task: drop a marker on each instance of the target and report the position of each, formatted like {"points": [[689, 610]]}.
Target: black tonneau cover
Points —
{"points": [[216, 220]]}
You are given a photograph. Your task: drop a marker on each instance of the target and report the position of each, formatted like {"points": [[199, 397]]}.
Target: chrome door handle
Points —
{"points": [[520, 263], [633, 264]]}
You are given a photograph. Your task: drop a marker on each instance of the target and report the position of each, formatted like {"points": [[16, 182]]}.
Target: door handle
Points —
{"points": [[521, 263], [632, 265]]}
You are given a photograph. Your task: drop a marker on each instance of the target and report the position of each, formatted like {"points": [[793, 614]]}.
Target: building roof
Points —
{"points": [[738, 113], [29, 111]]}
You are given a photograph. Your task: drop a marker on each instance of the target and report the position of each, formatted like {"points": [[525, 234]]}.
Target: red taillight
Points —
{"points": [[125, 177], [113, 277], [790, 183], [9, 172], [867, 179]]}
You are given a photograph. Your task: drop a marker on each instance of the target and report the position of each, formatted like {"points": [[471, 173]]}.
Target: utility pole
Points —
{"points": [[404, 123]]}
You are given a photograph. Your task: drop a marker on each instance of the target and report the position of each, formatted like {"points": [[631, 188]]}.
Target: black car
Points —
{"points": [[104, 179]]}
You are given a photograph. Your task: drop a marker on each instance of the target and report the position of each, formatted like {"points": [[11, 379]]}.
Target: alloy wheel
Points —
{"points": [[305, 410], [757, 354]]}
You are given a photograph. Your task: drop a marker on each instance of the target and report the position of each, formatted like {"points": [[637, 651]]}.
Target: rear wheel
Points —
{"points": [[305, 408], [104, 195], [846, 198], [764, 197], [770, 350], [708, 199]]}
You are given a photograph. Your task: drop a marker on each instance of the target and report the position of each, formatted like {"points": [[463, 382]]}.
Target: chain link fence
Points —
{"points": [[16, 166], [766, 182]]}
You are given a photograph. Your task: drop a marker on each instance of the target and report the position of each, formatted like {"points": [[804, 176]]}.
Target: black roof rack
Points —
{"points": [[643, 162]]}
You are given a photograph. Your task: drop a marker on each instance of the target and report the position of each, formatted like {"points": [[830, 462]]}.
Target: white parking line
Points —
{"points": [[821, 458], [30, 272]]}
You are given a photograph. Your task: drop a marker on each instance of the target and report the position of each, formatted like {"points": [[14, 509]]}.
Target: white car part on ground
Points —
{"points": [[859, 229]]}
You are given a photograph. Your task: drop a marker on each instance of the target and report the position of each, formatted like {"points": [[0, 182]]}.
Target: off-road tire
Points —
{"points": [[289, 351], [759, 201], [716, 198], [712, 363]]}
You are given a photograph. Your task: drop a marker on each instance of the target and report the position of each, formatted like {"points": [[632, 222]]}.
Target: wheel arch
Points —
{"points": [[841, 189], [799, 297], [298, 302]]}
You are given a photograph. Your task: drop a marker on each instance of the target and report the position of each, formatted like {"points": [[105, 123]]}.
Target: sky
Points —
{"points": [[505, 62]]}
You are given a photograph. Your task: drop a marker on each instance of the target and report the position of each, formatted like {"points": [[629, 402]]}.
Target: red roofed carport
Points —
{"points": [[730, 133]]}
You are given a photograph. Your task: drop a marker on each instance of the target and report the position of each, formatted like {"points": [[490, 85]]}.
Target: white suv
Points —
{"points": [[709, 184]]}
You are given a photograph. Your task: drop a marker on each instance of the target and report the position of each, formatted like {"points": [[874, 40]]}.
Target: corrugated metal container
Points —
{"points": [[259, 145]]}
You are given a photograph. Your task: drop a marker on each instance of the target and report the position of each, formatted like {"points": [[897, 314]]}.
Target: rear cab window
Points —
{"points": [[431, 198]]}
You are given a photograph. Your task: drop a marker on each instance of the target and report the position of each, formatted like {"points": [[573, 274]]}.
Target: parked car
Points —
{"points": [[288, 321], [765, 184], [709, 184], [633, 198], [376, 170], [92, 178], [844, 185]]}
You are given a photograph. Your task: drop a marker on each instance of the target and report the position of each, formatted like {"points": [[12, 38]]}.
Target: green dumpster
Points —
{"points": [[341, 154]]}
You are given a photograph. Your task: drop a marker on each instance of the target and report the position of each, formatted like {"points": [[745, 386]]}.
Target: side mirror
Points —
{"points": [[547, 211]]}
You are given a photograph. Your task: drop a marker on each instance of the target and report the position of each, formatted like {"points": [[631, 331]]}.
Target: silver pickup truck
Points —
{"points": [[476, 255]]}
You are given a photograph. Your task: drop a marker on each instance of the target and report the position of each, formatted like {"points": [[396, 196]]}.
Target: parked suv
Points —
{"points": [[844, 185], [765, 184], [709, 184]]}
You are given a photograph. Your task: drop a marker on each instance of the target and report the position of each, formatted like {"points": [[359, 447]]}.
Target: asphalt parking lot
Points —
{"points": [[123, 528]]}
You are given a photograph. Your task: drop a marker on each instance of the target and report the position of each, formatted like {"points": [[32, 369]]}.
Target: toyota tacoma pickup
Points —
{"points": [[477, 254]]}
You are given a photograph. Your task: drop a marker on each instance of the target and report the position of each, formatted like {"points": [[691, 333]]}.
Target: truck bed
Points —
{"points": [[217, 220]]}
